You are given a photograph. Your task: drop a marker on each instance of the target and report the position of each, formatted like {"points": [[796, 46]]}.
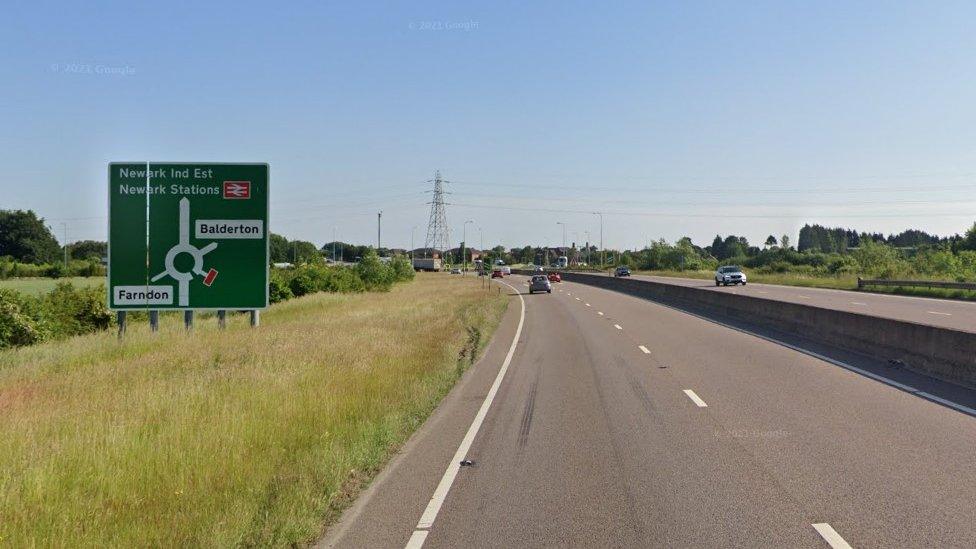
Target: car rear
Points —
{"points": [[540, 283]]}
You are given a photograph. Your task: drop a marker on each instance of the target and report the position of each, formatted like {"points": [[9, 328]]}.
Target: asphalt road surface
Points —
{"points": [[959, 315], [619, 422]]}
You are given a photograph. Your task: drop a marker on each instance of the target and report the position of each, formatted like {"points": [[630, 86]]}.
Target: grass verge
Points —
{"points": [[38, 286], [243, 437]]}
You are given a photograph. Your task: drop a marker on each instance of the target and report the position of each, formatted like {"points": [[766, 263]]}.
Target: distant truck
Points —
{"points": [[427, 264]]}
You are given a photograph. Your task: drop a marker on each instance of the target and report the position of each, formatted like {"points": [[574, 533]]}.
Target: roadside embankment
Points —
{"points": [[245, 436]]}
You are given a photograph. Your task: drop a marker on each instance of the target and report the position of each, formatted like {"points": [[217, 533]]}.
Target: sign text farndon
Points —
{"points": [[229, 228], [143, 295]]}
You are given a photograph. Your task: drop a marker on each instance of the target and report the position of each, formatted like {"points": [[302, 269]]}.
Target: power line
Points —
{"points": [[708, 215]]}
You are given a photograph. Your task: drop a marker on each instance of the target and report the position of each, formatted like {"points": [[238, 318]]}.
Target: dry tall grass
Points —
{"points": [[246, 437]]}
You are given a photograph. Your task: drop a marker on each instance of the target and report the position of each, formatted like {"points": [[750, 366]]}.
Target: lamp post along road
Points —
{"points": [[464, 246], [379, 226], [412, 232]]}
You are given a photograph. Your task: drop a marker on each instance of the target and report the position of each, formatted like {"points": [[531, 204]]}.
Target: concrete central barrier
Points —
{"points": [[940, 352]]}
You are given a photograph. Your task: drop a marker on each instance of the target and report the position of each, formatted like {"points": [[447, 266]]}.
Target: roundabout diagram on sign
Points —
{"points": [[183, 278]]}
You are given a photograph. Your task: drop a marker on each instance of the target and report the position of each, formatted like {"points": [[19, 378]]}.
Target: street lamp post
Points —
{"points": [[464, 245], [564, 232], [379, 226], [65, 246], [603, 256], [413, 230], [587, 247]]}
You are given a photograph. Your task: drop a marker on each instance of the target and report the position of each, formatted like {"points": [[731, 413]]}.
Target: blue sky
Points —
{"points": [[681, 118]]}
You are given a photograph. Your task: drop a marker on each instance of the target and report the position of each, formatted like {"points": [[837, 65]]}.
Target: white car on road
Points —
{"points": [[730, 274]]}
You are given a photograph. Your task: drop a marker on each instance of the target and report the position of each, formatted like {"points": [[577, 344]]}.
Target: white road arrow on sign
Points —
{"points": [[183, 246]]}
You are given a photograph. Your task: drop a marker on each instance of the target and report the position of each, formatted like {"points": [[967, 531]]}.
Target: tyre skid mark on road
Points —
{"points": [[527, 414], [419, 535]]}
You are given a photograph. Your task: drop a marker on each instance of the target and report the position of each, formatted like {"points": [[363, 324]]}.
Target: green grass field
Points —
{"points": [[253, 437], [38, 286]]}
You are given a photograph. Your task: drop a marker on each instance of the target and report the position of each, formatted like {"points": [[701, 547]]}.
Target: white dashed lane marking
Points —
{"points": [[695, 398], [644, 349], [831, 536], [617, 326]]}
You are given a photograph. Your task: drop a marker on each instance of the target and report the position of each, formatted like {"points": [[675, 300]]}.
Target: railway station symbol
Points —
{"points": [[183, 278]]}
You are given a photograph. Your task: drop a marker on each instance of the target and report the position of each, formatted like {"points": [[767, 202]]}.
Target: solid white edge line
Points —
{"points": [[617, 326], [831, 536], [440, 493], [644, 349], [938, 313], [417, 539], [890, 382], [695, 398], [949, 403]]}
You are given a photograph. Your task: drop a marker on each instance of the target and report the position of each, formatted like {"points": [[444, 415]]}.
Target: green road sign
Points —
{"points": [[187, 236]]}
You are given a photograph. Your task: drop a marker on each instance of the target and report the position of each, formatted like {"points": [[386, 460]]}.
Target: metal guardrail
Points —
{"points": [[862, 282]]}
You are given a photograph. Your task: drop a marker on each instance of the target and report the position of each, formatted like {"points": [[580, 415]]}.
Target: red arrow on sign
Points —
{"points": [[211, 275]]}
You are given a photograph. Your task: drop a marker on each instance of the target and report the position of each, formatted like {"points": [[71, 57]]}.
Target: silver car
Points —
{"points": [[730, 274], [540, 283]]}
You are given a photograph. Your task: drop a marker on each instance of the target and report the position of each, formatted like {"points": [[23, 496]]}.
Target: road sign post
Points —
{"points": [[187, 237]]}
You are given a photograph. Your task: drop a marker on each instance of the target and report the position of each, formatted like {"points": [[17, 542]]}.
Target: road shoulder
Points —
{"points": [[386, 512]]}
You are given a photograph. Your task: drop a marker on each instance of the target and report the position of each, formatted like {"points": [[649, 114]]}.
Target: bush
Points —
{"points": [[303, 281], [278, 289], [342, 280], [879, 260], [17, 326], [72, 311], [376, 275], [57, 270], [402, 269]]}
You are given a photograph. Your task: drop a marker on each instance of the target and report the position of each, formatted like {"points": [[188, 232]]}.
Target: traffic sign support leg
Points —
{"points": [[121, 319], [222, 319], [154, 321], [255, 318], [188, 320]]}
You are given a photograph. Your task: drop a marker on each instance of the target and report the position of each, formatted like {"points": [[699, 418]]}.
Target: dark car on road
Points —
{"points": [[622, 271], [497, 274], [540, 283], [555, 277]]}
